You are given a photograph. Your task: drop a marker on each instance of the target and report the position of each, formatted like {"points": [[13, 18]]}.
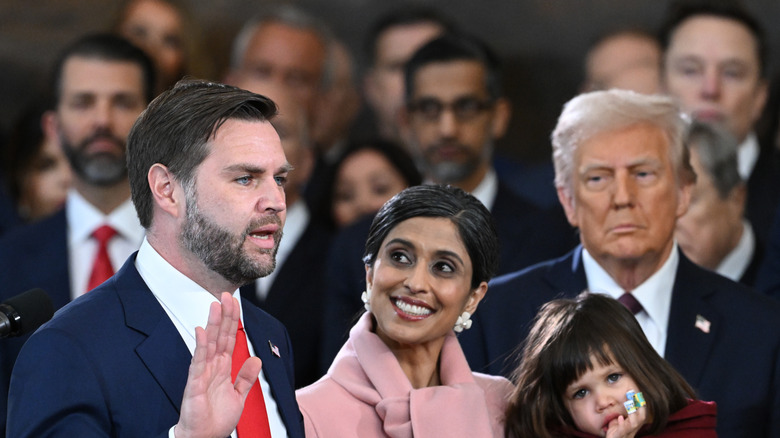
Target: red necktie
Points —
{"points": [[254, 419], [101, 269], [629, 301]]}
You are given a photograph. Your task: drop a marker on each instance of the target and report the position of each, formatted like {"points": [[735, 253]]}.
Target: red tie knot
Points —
{"points": [[104, 234]]}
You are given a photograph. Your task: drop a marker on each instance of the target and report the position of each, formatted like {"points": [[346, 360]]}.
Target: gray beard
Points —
{"points": [[99, 169]]}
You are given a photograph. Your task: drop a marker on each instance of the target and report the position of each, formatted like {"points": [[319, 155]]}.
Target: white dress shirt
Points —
{"points": [[655, 295], [486, 190], [747, 156], [187, 305], [83, 219], [294, 226], [735, 264]]}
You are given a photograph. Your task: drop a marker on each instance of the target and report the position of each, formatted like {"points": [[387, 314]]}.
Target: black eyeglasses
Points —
{"points": [[465, 109]]}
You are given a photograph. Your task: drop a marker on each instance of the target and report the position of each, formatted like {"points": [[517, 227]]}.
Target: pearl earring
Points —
{"points": [[366, 297], [463, 322]]}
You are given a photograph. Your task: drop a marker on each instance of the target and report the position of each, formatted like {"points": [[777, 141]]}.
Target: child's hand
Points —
{"points": [[627, 427]]}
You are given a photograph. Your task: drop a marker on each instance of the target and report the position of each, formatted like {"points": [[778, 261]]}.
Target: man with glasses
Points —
{"points": [[454, 111]]}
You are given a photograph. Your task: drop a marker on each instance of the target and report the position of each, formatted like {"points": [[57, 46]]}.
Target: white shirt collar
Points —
{"points": [[487, 189], [654, 294], [187, 305], [747, 156], [186, 302], [735, 264], [83, 218]]}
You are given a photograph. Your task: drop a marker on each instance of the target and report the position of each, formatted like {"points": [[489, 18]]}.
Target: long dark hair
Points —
{"points": [[565, 335]]}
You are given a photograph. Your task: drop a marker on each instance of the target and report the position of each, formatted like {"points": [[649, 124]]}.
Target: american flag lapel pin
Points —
{"points": [[274, 349], [702, 324]]}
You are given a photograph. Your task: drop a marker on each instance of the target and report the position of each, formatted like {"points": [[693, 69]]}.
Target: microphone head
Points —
{"points": [[33, 308]]}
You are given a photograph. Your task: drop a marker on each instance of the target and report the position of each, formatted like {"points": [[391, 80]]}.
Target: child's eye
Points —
{"points": [[580, 393], [614, 377]]}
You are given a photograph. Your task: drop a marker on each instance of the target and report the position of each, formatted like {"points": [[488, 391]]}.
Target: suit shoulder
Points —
{"points": [[736, 298], [33, 236]]}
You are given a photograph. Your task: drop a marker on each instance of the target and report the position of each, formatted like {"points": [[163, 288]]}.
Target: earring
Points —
{"points": [[366, 297], [463, 322]]}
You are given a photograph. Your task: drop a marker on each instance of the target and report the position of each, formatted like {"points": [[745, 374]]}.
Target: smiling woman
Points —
{"points": [[429, 255]]}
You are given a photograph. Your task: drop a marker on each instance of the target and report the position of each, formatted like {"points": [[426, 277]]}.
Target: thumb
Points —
{"points": [[247, 375]]}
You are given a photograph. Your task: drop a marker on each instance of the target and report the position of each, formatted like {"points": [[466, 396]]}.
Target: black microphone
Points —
{"points": [[24, 313]]}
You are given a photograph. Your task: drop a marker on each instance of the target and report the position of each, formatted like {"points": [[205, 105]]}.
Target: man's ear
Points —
{"points": [[49, 124], [502, 112], [567, 201], [167, 193]]}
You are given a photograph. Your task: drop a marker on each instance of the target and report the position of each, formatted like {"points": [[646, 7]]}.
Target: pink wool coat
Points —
{"points": [[366, 394]]}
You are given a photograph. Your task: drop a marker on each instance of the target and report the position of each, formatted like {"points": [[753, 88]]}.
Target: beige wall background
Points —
{"points": [[542, 43]]}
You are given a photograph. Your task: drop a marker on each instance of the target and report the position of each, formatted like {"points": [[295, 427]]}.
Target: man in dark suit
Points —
{"points": [[101, 84], [207, 174], [714, 232], [623, 178], [715, 64], [455, 110]]}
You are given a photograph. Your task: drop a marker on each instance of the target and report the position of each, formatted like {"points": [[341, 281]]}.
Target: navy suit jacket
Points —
{"points": [[295, 299], [736, 364], [527, 235], [31, 256], [113, 364]]}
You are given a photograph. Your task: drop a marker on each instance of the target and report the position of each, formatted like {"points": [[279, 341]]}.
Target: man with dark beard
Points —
{"points": [[101, 84], [207, 173], [454, 111]]}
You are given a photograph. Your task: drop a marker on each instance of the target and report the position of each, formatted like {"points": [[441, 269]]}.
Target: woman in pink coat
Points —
{"points": [[429, 255]]}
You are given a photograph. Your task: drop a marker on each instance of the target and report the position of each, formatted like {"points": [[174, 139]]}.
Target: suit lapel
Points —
{"points": [[164, 353], [567, 276], [274, 366], [688, 343]]}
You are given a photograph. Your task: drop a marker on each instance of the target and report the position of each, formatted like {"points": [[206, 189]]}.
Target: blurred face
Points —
{"points": [[712, 67], [340, 103], [420, 283], [156, 27], [712, 227], [384, 84], [595, 400], [629, 62], [625, 198], [452, 122], [99, 102], [235, 217], [283, 57], [365, 181], [291, 123], [46, 184]]}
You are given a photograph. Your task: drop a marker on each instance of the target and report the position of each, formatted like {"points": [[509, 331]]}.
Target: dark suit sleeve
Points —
{"points": [[63, 401], [768, 280], [345, 279]]}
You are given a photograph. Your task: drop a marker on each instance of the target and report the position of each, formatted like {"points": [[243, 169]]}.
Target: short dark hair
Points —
{"points": [[175, 130], [681, 10], [558, 350], [472, 219], [105, 47], [455, 47], [402, 15]]}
